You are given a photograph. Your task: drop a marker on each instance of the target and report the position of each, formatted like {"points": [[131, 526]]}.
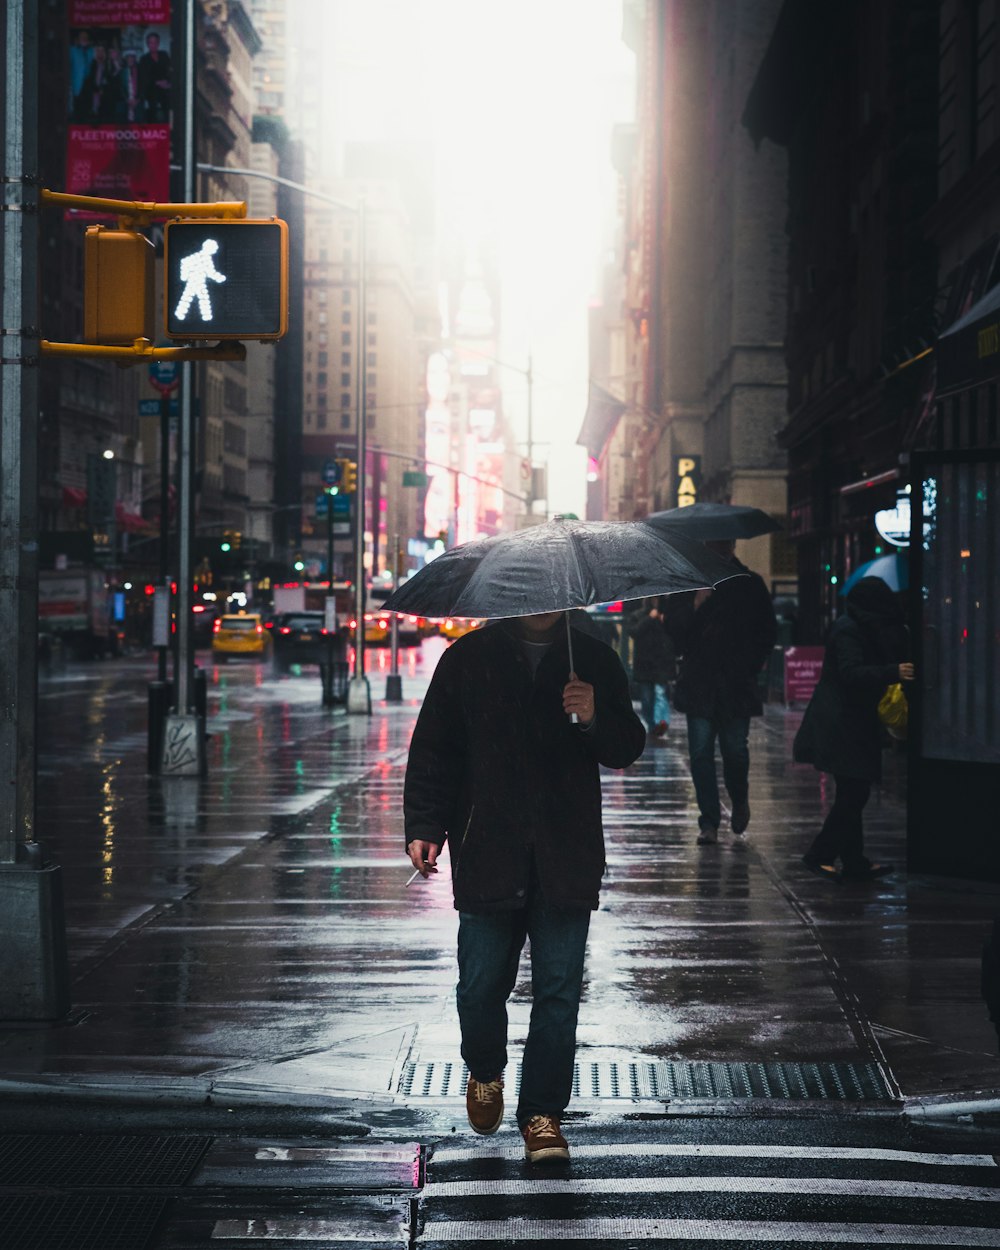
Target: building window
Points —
{"points": [[371, 381], [345, 295], [345, 379], [345, 400], [321, 295], [372, 318], [345, 421], [309, 377], [372, 359], [345, 338], [345, 318], [323, 256], [321, 378], [322, 319], [370, 399], [321, 421], [372, 340], [345, 358], [321, 402], [321, 358], [322, 340]]}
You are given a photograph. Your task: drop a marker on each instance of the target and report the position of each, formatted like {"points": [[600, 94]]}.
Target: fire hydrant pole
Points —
{"points": [[394, 683]]}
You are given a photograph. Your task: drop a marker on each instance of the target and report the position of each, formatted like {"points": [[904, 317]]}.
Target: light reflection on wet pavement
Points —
{"points": [[253, 927]]}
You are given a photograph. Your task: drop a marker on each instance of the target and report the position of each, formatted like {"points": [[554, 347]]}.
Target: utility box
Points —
{"points": [[118, 303]]}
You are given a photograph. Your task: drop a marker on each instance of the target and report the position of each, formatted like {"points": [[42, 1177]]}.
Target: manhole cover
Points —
{"points": [[661, 1081], [85, 1160]]}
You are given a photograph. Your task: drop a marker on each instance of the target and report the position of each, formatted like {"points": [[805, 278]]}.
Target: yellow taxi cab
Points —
{"points": [[239, 633], [457, 626]]}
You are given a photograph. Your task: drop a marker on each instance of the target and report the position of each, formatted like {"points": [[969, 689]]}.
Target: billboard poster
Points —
{"points": [[119, 99]]}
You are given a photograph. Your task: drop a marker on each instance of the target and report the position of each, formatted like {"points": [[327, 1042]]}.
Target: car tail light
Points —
{"points": [[352, 624], [383, 624], [216, 625], [412, 620], [259, 628], [269, 624], [324, 631], [285, 629], [449, 624]]}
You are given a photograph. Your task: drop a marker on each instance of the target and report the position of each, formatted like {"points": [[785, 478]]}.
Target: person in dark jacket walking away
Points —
{"points": [[840, 732], [653, 665], [724, 638], [497, 767]]}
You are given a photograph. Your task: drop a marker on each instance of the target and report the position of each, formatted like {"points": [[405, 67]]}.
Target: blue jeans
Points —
{"points": [[489, 950], [653, 702], [733, 736]]}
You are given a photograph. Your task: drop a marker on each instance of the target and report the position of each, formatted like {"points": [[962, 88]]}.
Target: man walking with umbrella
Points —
{"points": [[504, 764]]}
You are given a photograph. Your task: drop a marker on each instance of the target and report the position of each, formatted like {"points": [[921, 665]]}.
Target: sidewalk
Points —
{"points": [[247, 942]]}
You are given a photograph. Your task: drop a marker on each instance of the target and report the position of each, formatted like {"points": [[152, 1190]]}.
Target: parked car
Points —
{"points": [[377, 623], [239, 633], [301, 638]]}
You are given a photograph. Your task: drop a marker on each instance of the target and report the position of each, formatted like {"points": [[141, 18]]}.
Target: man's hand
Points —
{"points": [[906, 672], [578, 697], [423, 856]]}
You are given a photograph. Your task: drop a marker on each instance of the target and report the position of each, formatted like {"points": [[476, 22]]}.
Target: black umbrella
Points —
{"points": [[713, 522], [555, 566]]}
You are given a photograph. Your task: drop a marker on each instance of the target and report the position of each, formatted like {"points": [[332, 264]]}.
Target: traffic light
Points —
{"points": [[117, 287], [225, 279], [348, 477]]}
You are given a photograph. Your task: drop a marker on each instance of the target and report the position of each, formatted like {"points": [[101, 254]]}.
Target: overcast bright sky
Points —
{"points": [[520, 99]]}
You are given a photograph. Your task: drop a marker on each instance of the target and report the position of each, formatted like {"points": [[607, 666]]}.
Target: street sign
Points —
{"points": [[321, 504], [331, 472], [153, 408], [164, 375], [225, 279], [413, 477], [341, 505]]}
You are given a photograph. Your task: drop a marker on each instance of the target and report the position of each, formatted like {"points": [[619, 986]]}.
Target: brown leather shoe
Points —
{"points": [[543, 1140], [484, 1104]]}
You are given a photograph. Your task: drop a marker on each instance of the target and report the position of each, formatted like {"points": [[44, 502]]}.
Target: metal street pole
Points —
{"points": [[393, 682], [184, 736], [359, 698], [35, 980]]}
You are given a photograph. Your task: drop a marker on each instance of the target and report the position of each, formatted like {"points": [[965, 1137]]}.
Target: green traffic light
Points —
{"points": [[225, 547], [299, 566]]}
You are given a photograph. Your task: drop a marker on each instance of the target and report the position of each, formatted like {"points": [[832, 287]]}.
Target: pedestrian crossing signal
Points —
{"points": [[226, 278]]}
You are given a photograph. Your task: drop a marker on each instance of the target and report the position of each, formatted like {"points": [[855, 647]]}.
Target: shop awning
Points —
{"points": [[72, 497], [968, 352]]}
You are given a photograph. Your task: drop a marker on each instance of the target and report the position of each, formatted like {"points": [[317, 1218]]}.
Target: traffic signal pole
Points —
{"points": [[184, 732], [35, 980]]}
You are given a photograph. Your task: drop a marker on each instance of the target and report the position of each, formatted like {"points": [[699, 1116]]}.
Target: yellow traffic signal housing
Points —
{"points": [[348, 477], [118, 305], [225, 278]]}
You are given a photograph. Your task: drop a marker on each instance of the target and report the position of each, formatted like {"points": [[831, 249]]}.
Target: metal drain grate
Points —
{"points": [[79, 1223], [85, 1160], [666, 1081]]}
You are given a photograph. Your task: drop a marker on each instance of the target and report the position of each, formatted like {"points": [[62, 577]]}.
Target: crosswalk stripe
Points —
{"points": [[452, 1154], [500, 1231], [829, 1186]]}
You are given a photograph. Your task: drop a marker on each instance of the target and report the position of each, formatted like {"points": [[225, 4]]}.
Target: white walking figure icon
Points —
{"points": [[197, 270]]}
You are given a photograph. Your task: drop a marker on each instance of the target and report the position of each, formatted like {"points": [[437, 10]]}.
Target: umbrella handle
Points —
{"points": [[573, 718]]}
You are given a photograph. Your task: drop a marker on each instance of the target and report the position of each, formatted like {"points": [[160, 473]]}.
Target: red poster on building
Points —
{"points": [[119, 99], [802, 669]]}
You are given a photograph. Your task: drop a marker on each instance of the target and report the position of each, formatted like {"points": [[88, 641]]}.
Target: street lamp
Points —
{"points": [[358, 691]]}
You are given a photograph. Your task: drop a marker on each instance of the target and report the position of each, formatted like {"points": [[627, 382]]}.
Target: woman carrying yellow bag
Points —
{"points": [[841, 732]]}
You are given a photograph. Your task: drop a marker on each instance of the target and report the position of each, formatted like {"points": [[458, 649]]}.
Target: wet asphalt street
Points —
{"points": [[249, 970]]}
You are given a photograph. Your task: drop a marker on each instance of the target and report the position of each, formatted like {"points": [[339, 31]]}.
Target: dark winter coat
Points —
{"points": [[723, 646], [652, 649], [497, 767], [840, 732]]}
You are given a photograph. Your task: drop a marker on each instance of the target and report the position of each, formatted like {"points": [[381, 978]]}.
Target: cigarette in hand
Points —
{"points": [[418, 873]]}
